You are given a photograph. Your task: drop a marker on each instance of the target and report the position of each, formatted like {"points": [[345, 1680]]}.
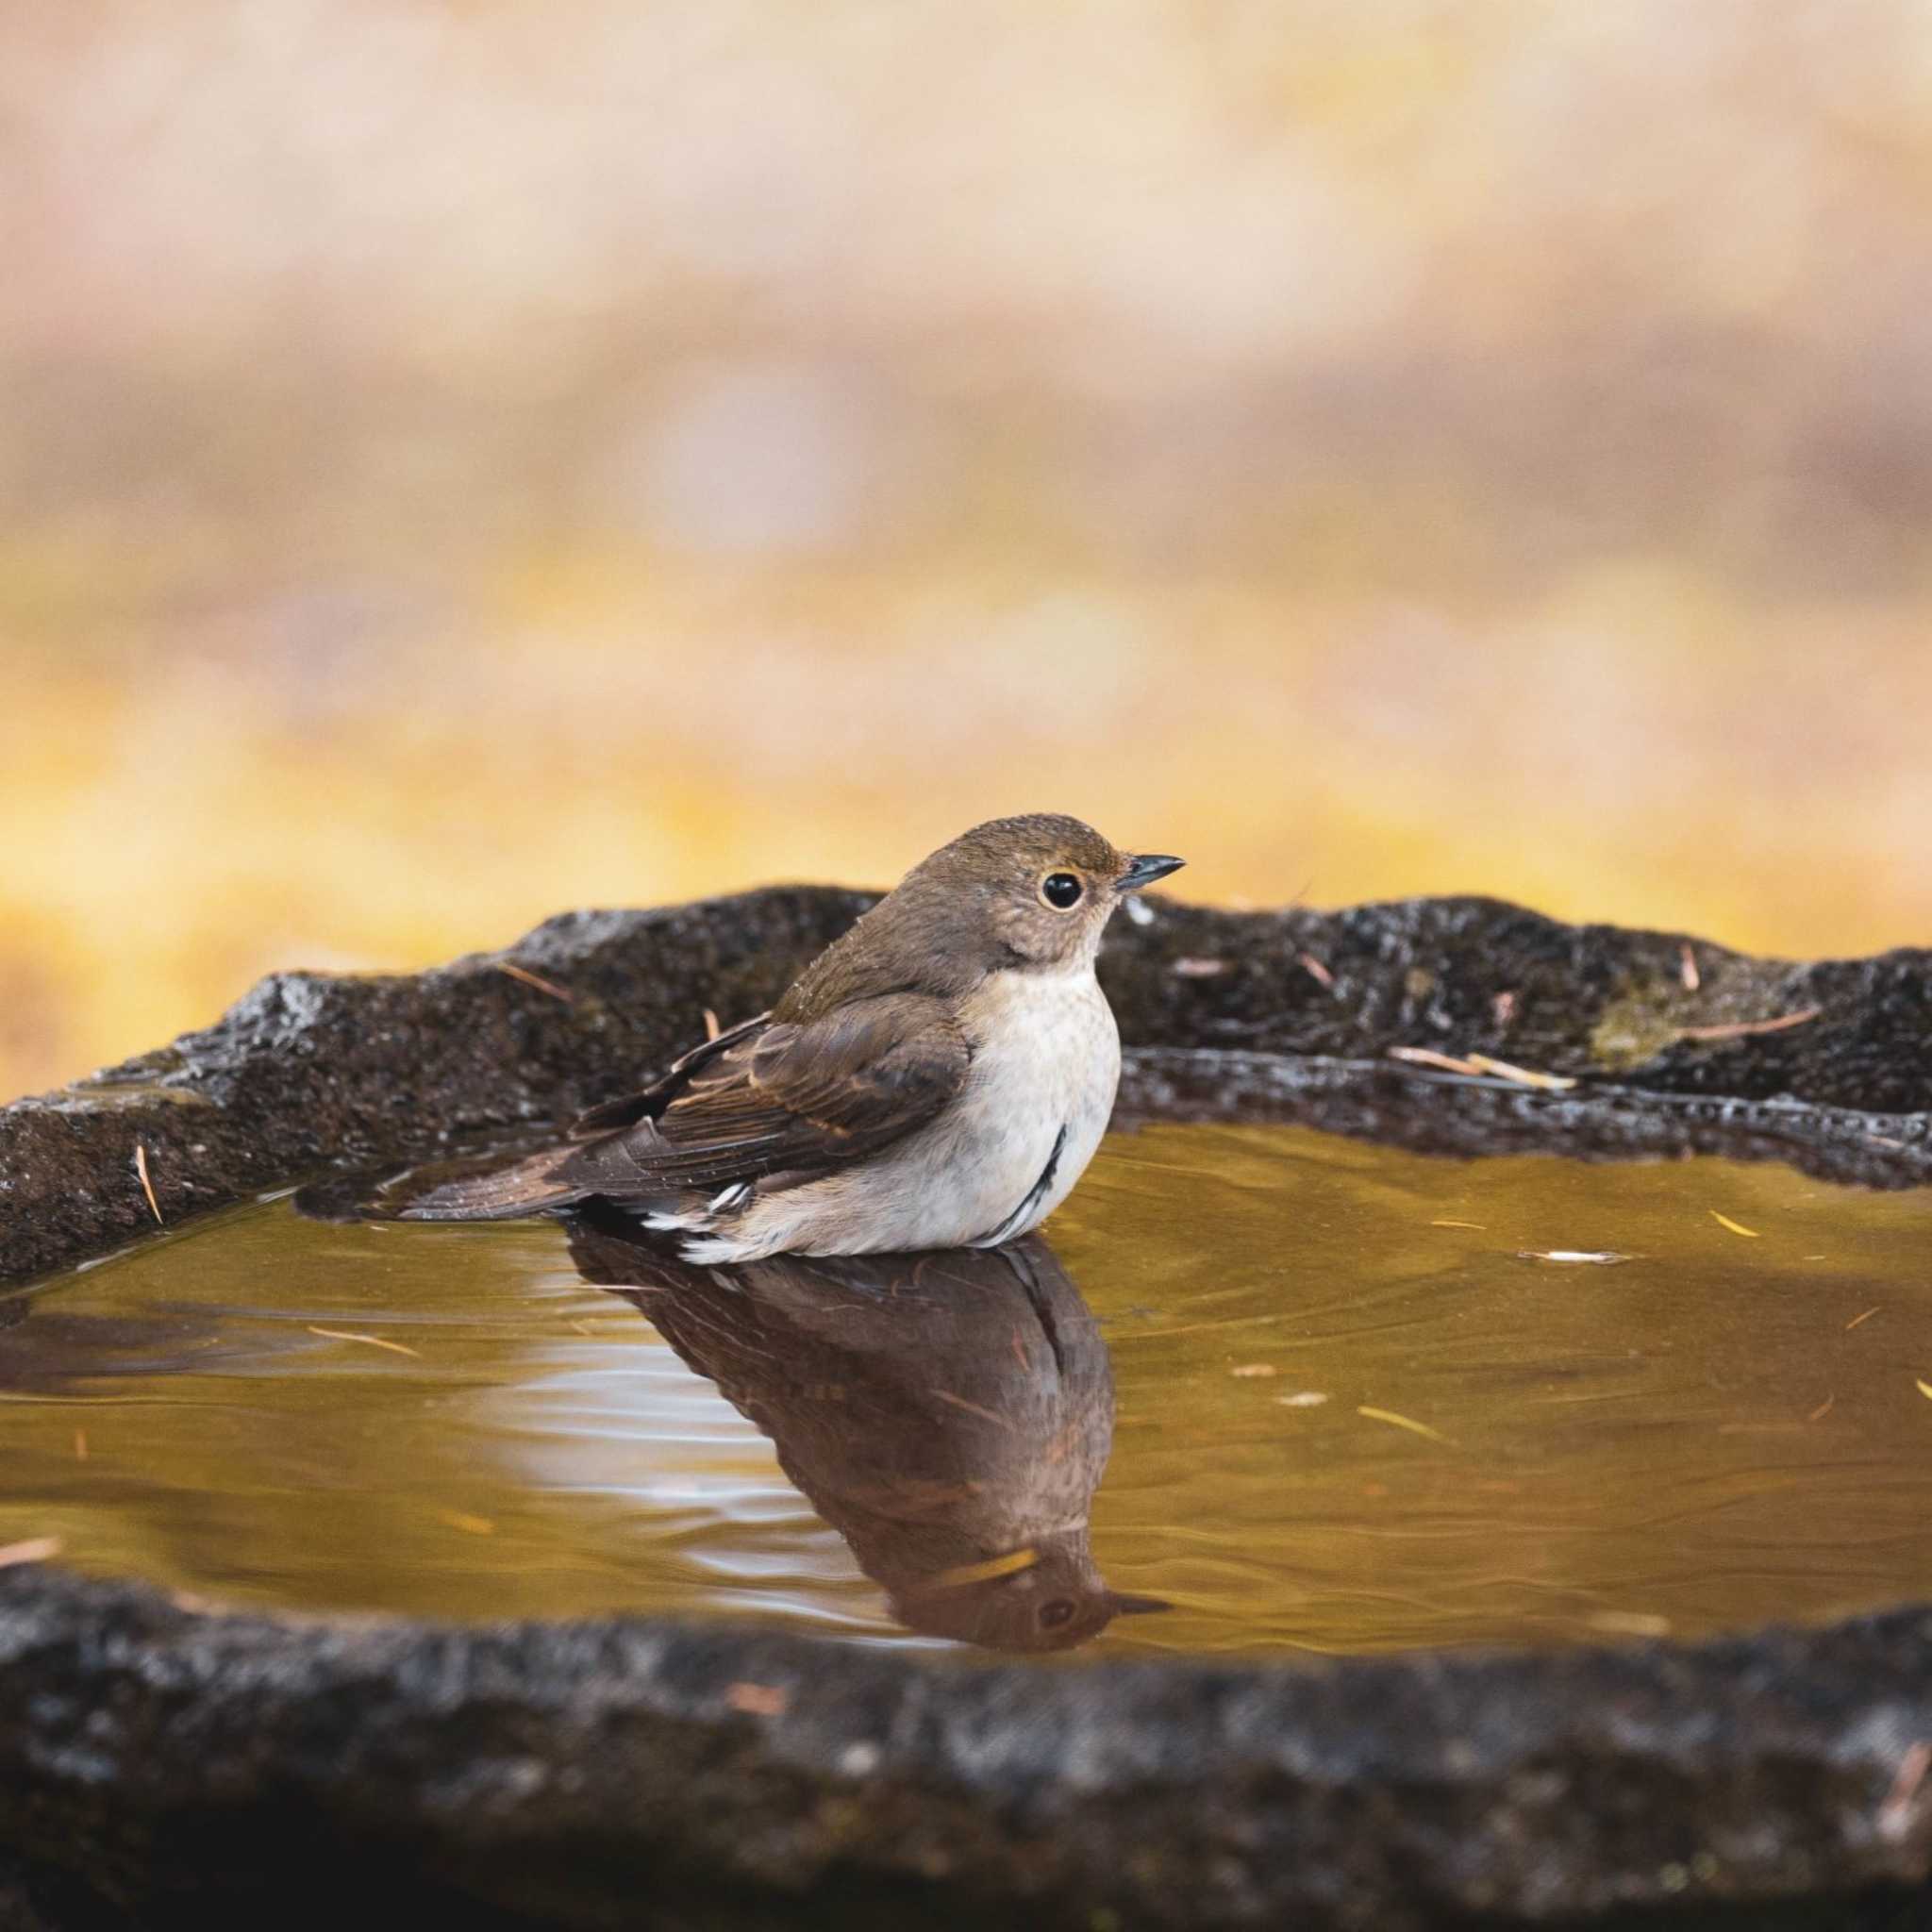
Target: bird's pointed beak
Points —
{"points": [[1123, 1605], [1144, 869]]}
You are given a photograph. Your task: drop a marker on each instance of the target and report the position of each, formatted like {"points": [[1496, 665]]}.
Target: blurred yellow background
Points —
{"points": [[462, 460]]}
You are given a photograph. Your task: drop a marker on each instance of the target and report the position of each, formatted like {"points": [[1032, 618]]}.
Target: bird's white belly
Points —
{"points": [[1046, 1061], [1039, 1095]]}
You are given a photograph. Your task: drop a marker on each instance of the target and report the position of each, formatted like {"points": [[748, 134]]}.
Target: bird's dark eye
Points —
{"points": [[1061, 1610], [1061, 890]]}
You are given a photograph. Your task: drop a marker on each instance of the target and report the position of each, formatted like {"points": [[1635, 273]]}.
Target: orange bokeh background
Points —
{"points": [[461, 461]]}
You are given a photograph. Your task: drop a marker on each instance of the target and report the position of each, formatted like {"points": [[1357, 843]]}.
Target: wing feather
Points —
{"points": [[628, 1108], [792, 1098]]}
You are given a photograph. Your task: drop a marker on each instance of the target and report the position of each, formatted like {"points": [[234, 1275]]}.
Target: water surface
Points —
{"points": [[1308, 1394]]}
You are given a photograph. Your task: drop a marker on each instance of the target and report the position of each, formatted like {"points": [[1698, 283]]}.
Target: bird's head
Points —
{"points": [[1039, 889]]}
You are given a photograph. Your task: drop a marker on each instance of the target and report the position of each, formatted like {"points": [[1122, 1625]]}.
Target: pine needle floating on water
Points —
{"points": [[1750, 1233], [1823, 1410], [1925, 1389], [1476, 1225], [470, 1525], [147, 1187], [369, 1341], [962, 1574], [1630, 1623], [1405, 1422], [80, 1445], [1591, 1258], [1859, 1321], [536, 980], [36, 1549], [1251, 1369]]}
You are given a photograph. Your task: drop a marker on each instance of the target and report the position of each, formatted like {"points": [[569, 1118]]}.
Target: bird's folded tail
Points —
{"points": [[532, 1186], [491, 1189]]}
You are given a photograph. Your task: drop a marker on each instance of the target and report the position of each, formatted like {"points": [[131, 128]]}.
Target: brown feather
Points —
{"points": [[794, 1098], [628, 1108]]}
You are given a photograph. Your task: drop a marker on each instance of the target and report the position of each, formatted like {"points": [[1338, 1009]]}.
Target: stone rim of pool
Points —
{"points": [[155, 1753]]}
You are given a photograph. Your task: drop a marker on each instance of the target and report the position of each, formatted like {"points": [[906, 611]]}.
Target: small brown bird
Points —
{"points": [[938, 1078]]}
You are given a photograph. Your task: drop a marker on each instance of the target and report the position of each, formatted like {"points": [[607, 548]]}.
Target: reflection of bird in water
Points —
{"points": [[949, 1414]]}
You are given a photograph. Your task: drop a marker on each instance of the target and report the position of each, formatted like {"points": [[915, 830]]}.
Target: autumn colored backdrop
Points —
{"points": [[459, 462]]}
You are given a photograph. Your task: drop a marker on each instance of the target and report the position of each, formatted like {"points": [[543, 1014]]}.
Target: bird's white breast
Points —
{"points": [[1046, 1059]]}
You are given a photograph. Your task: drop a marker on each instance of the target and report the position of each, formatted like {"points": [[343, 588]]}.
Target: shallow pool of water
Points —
{"points": [[1305, 1393]]}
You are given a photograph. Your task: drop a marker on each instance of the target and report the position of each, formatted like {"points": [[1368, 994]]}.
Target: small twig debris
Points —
{"points": [[1859, 1321], [147, 1185], [1405, 1422], [1522, 1076], [1692, 978], [711, 1027], [1316, 971], [1191, 968], [1476, 1065], [758, 1700], [1894, 1814], [368, 1341], [1750, 1233], [1010, 1564], [36, 1549], [1630, 1623], [1428, 1057], [1736, 1030], [984, 1415], [536, 980]]}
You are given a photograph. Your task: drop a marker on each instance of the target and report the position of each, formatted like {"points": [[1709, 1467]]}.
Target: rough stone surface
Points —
{"points": [[598, 1774], [311, 1069], [160, 1762]]}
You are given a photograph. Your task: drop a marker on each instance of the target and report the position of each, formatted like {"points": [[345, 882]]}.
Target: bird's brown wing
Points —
{"points": [[628, 1108], [769, 1097], [802, 1096]]}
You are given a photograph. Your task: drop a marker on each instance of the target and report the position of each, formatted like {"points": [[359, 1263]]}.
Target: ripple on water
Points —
{"points": [[1306, 1392]]}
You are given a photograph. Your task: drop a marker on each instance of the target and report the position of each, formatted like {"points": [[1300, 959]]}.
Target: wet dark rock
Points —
{"points": [[161, 1761], [601, 1773], [311, 1069]]}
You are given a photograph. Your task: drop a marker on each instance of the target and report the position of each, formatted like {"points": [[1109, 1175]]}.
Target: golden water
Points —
{"points": [[1354, 1410]]}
